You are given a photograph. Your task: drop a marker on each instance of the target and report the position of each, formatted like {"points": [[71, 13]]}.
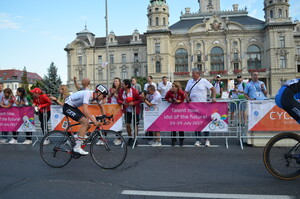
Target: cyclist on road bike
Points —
{"points": [[71, 109], [288, 96]]}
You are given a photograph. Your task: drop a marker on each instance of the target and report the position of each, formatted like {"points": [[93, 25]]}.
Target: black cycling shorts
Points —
{"points": [[128, 118], [72, 112]]}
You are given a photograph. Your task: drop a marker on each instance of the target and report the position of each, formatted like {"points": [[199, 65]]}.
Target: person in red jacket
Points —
{"points": [[130, 99], [42, 103], [176, 95]]}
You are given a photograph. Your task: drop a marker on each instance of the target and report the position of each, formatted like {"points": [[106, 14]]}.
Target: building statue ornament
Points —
{"points": [[216, 25], [216, 42]]}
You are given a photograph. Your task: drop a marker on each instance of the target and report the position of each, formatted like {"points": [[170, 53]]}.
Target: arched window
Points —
{"points": [[156, 21], [217, 59], [280, 13], [254, 57], [271, 14], [157, 67], [181, 60]]}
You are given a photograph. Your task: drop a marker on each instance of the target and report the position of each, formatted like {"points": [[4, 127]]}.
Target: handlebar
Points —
{"points": [[105, 119]]}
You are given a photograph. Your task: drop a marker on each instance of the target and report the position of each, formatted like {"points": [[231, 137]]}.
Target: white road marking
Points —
{"points": [[203, 195]]}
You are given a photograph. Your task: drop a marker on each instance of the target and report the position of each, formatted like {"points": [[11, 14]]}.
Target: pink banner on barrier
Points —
{"points": [[187, 117], [19, 119]]}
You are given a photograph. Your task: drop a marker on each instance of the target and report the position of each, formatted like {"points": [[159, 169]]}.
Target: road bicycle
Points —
{"points": [[107, 154], [282, 156]]}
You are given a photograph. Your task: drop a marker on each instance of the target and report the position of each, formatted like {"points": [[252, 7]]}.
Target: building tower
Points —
{"points": [[158, 15], [277, 11], [209, 5], [158, 40]]}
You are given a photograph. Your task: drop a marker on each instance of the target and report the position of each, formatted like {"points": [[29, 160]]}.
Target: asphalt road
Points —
{"points": [[148, 173]]}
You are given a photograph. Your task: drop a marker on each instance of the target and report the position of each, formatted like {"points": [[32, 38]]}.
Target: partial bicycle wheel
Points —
{"points": [[282, 156], [109, 151], [56, 149]]}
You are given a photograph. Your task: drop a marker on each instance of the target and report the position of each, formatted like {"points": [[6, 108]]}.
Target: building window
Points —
{"points": [[135, 38], [123, 58], [79, 60], [156, 21], [100, 60], [217, 59], [281, 42], [282, 62], [235, 66], [111, 40], [254, 57], [111, 59], [199, 66], [298, 50], [280, 13], [181, 60], [235, 56], [136, 72], [199, 58], [136, 57], [112, 73], [157, 48], [271, 14], [124, 72], [298, 68], [157, 67], [150, 22], [164, 21]]}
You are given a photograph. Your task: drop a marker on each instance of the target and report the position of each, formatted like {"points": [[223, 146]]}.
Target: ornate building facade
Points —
{"points": [[215, 41]]}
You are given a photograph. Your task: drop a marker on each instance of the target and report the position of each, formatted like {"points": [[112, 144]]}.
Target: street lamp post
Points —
{"points": [[107, 61]]}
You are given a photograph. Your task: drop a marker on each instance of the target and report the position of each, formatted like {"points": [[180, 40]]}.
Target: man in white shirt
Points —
{"points": [[196, 91], [149, 82], [153, 99], [164, 86]]}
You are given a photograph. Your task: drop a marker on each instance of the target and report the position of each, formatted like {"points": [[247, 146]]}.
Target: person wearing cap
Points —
{"points": [[129, 106], [164, 86], [42, 103], [219, 86], [83, 99]]}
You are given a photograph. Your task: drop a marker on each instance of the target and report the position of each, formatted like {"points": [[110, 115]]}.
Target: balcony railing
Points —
{"points": [[182, 73], [257, 70], [216, 72]]}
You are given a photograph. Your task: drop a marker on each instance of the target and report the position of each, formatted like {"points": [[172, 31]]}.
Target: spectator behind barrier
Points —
{"points": [[241, 105], [176, 95], [196, 91], [153, 98], [219, 86], [41, 104], [84, 82], [114, 91], [63, 94], [23, 99], [7, 101], [164, 86], [129, 106], [255, 90], [149, 82]]}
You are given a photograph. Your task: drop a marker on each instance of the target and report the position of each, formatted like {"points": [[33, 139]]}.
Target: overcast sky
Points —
{"points": [[34, 33]]}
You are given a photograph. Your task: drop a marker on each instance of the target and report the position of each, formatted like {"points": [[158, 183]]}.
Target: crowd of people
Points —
{"points": [[132, 97]]}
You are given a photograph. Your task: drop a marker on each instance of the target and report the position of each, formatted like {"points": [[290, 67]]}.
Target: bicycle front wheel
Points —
{"points": [[108, 149], [56, 149], [282, 156]]}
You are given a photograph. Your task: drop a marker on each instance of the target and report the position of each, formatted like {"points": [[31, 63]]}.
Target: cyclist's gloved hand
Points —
{"points": [[104, 116]]}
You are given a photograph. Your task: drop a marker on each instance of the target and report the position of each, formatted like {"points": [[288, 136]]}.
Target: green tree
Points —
{"points": [[51, 81], [24, 80]]}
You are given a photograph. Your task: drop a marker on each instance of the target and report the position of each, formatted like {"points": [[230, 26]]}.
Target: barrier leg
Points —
{"points": [[135, 128]]}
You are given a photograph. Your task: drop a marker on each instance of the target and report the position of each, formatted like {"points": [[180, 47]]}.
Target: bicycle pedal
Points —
{"points": [[76, 155]]}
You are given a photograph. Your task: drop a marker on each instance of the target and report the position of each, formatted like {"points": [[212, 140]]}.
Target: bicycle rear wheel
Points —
{"points": [[111, 152], [282, 156], [58, 152]]}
